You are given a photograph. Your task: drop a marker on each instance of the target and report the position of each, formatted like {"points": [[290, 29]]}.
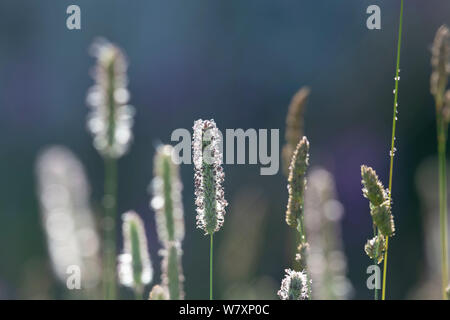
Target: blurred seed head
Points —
{"points": [[134, 268], [67, 218], [172, 272], [158, 293], [440, 63], [166, 188], [111, 117], [327, 262], [294, 125], [208, 177], [297, 182], [294, 286]]}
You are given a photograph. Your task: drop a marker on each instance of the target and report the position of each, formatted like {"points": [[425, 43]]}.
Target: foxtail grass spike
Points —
{"points": [[167, 202], [294, 125], [111, 117], [172, 272], [67, 218], [158, 293], [297, 183], [294, 286], [440, 62], [134, 269], [208, 176]]}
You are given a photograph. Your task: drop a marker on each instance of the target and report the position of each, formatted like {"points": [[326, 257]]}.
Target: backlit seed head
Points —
{"points": [[372, 187], [294, 286], [67, 217], [166, 188], [111, 117], [440, 62], [374, 248], [158, 293], [383, 219], [172, 272], [294, 125], [208, 177], [297, 183], [134, 269]]}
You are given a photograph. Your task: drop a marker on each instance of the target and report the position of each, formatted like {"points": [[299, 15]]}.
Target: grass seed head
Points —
{"points": [[440, 63], [172, 272], [134, 269], [67, 217], [158, 293], [294, 286], [297, 183], [374, 248], [383, 218], [372, 187], [208, 177], [166, 187], [294, 125], [111, 117]]}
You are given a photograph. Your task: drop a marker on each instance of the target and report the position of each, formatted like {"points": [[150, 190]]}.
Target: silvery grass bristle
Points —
{"points": [[172, 273], [208, 179], [67, 218], [440, 62], [295, 286], [327, 262], [158, 293], [167, 204], [166, 188], [294, 125], [110, 122], [134, 268]]}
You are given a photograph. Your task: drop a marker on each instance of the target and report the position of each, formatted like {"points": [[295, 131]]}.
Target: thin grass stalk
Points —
{"points": [[442, 168], [110, 207], [211, 269], [392, 152]]}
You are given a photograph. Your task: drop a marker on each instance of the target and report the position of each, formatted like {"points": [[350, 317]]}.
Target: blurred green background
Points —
{"points": [[238, 62]]}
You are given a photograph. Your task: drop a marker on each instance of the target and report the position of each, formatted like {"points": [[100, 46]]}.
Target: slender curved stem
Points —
{"points": [[211, 270], [394, 121]]}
